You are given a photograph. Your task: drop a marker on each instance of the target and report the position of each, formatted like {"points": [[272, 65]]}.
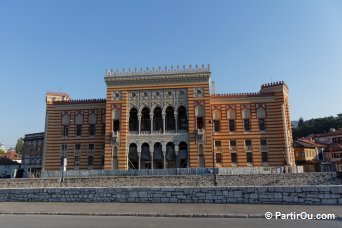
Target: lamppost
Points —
{"points": [[65, 151], [64, 155], [213, 153]]}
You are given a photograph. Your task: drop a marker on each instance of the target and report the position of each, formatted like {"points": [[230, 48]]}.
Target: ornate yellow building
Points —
{"points": [[166, 118]]}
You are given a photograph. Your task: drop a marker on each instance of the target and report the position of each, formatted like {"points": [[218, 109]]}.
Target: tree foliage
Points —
{"points": [[317, 126], [20, 146]]}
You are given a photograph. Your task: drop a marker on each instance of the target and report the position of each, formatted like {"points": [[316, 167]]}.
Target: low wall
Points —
{"points": [[283, 179], [253, 195]]}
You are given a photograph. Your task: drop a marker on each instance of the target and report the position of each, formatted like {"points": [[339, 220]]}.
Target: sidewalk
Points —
{"points": [[162, 210]]}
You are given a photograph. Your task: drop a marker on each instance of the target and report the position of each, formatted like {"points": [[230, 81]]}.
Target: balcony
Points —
{"points": [[115, 138], [264, 148], [200, 135], [248, 148], [232, 148]]}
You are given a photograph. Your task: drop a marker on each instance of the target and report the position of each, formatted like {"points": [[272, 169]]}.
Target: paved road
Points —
{"points": [[54, 221], [160, 209]]}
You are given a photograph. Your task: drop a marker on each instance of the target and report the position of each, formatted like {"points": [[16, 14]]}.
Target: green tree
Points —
{"points": [[20, 146], [2, 152], [300, 122]]}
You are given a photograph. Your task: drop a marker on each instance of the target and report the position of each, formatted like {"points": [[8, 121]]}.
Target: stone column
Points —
{"points": [[139, 157], [151, 153], [164, 156], [151, 119], [139, 127], [177, 158], [176, 121], [164, 124]]}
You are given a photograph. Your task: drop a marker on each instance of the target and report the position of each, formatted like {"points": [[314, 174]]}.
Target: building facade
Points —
{"points": [[167, 118], [32, 156]]}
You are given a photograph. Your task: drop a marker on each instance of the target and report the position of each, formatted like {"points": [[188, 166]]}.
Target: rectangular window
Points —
{"points": [[231, 125], [217, 143], [77, 161], [218, 157], [199, 122], [90, 160], [232, 143], [233, 157], [78, 130], [216, 125], [264, 156], [249, 157], [92, 129], [103, 155], [103, 129], [263, 142], [65, 130], [248, 142], [246, 124], [77, 149], [116, 125], [91, 146], [262, 125]]}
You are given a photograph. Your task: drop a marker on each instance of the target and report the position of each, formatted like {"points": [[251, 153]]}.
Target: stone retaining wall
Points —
{"points": [[255, 195], [286, 179]]}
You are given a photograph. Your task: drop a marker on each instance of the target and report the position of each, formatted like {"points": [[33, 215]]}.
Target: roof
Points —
{"points": [[330, 133], [11, 154], [6, 161], [308, 144]]}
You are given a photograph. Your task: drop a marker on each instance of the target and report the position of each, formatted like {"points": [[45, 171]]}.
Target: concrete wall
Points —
{"points": [[298, 179], [255, 195]]}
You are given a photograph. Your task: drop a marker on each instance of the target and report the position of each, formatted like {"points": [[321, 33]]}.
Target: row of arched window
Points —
{"points": [[156, 159], [154, 120]]}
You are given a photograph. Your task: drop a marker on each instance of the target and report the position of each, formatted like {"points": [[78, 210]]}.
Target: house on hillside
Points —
{"points": [[309, 155]]}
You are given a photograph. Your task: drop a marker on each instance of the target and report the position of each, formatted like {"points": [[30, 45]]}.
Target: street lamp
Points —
{"points": [[65, 152], [64, 157], [213, 153]]}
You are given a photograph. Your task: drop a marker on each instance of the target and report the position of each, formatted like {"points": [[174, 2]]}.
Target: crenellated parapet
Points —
{"points": [[157, 70], [156, 76], [272, 84], [81, 101], [252, 94]]}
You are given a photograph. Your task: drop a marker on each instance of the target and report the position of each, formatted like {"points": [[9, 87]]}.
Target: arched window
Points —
{"points": [[170, 155], [261, 114], [182, 118], [170, 119], [157, 119], [231, 119], [133, 120], [201, 158], [116, 119], [133, 158], [115, 158], [216, 120], [158, 158], [92, 123], [145, 156], [65, 123], [246, 115], [183, 155], [145, 119], [199, 113], [79, 122]]}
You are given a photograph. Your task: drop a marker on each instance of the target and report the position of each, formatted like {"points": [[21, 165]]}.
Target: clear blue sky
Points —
{"points": [[67, 45]]}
